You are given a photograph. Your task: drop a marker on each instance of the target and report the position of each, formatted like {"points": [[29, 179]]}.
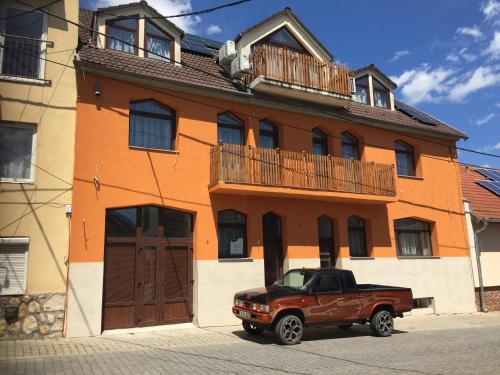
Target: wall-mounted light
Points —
{"points": [[97, 91]]}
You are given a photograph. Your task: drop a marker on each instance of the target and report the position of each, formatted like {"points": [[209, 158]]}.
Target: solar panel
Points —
{"points": [[414, 113], [199, 44], [490, 173], [493, 186]]}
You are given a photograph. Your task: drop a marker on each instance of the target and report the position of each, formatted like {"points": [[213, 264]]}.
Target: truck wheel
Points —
{"points": [[252, 329], [382, 323], [345, 326], [289, 329]]}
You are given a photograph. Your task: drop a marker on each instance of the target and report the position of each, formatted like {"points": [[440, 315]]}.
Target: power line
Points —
{"points": [[196, 13], [29, 11], [281, 123], [331, 114]]}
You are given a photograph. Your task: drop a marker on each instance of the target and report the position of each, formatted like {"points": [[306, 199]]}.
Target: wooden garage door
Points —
{"points": [[147, 278]]}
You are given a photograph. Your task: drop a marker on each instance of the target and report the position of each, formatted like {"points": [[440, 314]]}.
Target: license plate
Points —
{"points": [[244, 314]]}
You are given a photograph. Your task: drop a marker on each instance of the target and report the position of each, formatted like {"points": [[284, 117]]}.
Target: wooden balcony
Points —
{"points": [[260, 171], [290, 73]]}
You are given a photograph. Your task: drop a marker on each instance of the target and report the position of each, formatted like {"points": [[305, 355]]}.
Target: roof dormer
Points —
{"points": [[373, 87], [140, 25]]}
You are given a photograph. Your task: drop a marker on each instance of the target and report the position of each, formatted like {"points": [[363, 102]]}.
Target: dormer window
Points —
{"points": [[122, 34], [362, 91], [158, 42], [380, 94], [282, 38]]}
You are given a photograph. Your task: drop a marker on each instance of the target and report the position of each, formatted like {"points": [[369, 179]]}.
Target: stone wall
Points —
{"points": [[491, 298], [32, 316]]}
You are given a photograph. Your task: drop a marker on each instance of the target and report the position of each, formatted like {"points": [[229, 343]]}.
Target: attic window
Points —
{"points": [[380, 94], [362, 95], [158, 42], [123, 34], [284, 39]]}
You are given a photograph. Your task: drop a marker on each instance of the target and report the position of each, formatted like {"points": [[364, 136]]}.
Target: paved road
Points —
{"points": [[228, 350]]}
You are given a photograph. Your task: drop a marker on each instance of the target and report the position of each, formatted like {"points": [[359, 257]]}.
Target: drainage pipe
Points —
{"points": [[478, 260]]}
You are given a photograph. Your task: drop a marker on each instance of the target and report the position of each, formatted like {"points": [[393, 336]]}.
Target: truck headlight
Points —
{"points": [[241, 303], [264, 308], [254, 306]]}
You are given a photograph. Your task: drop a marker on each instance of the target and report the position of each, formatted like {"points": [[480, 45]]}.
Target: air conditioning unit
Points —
{"points": [[239, 66], [227, 52], [352, 85]]}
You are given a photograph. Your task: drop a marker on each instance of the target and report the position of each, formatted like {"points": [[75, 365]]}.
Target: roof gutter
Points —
{"points": [[477, 245]]}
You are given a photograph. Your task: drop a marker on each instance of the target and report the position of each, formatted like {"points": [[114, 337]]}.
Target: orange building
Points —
{"points": [[204, 168]]}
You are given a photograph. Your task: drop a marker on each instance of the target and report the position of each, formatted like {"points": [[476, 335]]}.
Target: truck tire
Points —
{"points": [[382, 323], [345, 326], [289, 329], [252, 329]]}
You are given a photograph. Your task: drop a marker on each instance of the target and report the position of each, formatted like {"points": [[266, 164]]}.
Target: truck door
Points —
{"points": [[327, 293], [350, 306]]}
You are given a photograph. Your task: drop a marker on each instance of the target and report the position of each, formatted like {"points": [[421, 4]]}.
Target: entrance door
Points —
{"points": [[148, 277], [273, 247]]}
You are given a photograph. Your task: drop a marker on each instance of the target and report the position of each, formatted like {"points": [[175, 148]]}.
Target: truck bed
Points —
{"points": [[377, 287]]}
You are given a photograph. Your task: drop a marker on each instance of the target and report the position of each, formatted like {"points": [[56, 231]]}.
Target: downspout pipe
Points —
{"points": [[478, 260]]}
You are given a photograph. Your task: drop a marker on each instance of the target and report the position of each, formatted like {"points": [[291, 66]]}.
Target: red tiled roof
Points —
{"points": [[484, 202], [91, 56]]}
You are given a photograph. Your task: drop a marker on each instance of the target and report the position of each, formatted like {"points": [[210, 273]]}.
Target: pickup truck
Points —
{"points": [[319, 297]]}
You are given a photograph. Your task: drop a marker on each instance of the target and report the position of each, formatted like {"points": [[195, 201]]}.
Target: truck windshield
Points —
{"points": [[296, 279]]}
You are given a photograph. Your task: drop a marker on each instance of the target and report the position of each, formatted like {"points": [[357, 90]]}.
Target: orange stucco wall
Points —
{"points": [[129, 177]]}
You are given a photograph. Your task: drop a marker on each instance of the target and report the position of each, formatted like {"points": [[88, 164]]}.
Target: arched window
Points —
{"points": [[362, 90], [325, 240], [357, 237], [268, 134], [320, 142], [152, 125], [405, 159], [158, 42], [413, 237], [350, 146], [232, 234], [380, 94], [229, 129]]}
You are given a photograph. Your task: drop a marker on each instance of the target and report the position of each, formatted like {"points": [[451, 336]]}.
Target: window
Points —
{"points": [[17, 152], [284, 39], [122, 34], [362, 93], [23, 43], [320, 142], [380, 94], [121, 222], [350, 147], [405, 159], [349, 281], [229, 129], [413, 237], [327, 283], [232, 234], [152, 125], [268, 135], [158, 42], [325, 239], [357, 237], [13, 261]]}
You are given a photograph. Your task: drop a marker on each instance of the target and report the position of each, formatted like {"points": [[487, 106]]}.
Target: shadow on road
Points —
{"points": [[313, 334]]}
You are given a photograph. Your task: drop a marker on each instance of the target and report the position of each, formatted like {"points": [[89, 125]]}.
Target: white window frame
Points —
{"points": [[43, 46], [18, 241], [33, 128]]}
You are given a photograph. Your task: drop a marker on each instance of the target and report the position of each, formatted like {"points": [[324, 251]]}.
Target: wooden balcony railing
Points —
{"points": [[272, 167], [297, 68]]}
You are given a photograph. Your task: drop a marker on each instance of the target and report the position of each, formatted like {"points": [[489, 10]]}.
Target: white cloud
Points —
{"points": [[485, 119], [470, 31], [166, 8], [424, 84], [491, 10], [452, 57], [399, 54], [213, 29], [488, 148], [463, 53], [493, 49], [481, 78]]}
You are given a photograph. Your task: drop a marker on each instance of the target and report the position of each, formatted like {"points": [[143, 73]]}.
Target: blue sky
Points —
{"points": [[445, 55]]}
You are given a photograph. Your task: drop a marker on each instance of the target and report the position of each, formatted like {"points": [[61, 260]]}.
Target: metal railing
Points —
{"points": [[273, 167], [22, 56], [300, 69]]}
